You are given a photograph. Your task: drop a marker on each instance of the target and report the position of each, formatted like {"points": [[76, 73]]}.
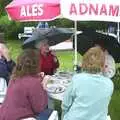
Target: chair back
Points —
{"points": [[54, 115], [3, 89]]}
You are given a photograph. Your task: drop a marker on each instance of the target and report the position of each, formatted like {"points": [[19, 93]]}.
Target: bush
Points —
{"points": [[12, 28], [8, 27], [3, 22], [116, 79]]}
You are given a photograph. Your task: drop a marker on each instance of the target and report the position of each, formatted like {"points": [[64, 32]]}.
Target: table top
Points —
{"points": [[58, 84], [60, 80]]}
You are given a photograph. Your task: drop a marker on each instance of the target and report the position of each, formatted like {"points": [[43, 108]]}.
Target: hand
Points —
{"points": [[45, 81], [41, 74], [55, 57], [53, 53]]}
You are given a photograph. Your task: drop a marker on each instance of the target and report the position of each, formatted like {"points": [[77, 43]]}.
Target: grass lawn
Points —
{"points": [[14, 47], [66, 63]]}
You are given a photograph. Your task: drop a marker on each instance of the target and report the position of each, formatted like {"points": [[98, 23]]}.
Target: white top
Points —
{"points": [[3, 89], [109, 65]]}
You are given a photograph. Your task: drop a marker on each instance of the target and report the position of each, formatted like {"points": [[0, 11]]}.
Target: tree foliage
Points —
{"points": [[3, 3], [16, 27]]}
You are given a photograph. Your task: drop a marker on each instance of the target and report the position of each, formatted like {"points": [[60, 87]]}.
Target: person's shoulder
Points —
{"points": [[82, 74], [107, 79], [109, 84], [34, 78], [79, 76], [37, 79], [31, 81], [30, 78]]}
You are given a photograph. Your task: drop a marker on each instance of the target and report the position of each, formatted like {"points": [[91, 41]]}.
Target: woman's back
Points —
{"points": [[25, 98], [91, 94]]}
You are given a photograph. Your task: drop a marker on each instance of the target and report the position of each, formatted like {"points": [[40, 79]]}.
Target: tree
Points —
{"points": [[3, 3]]}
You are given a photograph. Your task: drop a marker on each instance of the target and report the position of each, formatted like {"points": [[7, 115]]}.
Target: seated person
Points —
{"points": [[6, 63], [25, 94], [3, 89], [48, 60], [89, 93], [110, 69]]}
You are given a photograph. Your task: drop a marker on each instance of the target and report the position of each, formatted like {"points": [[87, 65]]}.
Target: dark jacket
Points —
{"points": [[6, 68]]}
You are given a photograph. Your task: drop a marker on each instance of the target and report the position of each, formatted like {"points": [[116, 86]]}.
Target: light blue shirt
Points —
{"points": [[87, 97]]}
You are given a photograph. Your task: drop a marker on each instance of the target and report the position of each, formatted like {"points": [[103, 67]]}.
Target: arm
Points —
{"points": [[37, 97], [68, 99]]}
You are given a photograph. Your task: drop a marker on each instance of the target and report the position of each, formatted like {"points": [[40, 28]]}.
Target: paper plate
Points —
{"points": [[55, 88], [65, 82]]}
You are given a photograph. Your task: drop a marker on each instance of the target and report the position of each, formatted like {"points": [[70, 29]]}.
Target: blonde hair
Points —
{"points": [[93, 60]]}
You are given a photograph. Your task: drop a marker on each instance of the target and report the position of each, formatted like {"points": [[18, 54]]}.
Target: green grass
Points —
{"points": [[66, 59], [114, 107], [14, 47]]}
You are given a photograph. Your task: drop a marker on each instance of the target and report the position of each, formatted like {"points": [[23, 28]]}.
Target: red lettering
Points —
{"points": [[73, 9], [114, 10], [103, 10], [93, 9], [83, 8]]}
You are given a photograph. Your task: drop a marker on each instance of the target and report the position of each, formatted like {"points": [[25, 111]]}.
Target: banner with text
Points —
{"points": [[91, 10], [30, 10]]}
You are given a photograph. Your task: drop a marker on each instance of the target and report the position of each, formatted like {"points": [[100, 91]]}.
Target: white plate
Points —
{"points": [[65, 82], [55, 88]]}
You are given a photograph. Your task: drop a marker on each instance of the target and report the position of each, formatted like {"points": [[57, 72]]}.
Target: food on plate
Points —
{"points": [[55, 88]]}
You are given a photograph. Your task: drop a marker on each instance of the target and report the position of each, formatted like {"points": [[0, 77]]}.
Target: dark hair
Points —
{"points": [[27, 64]]}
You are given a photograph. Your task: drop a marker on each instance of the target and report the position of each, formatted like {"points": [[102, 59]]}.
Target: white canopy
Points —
{"points": [[91, 10]]}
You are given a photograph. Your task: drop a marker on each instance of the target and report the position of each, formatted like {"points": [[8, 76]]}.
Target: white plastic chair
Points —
{"points": [[53, 116], [3, 89], [108, 117]]}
